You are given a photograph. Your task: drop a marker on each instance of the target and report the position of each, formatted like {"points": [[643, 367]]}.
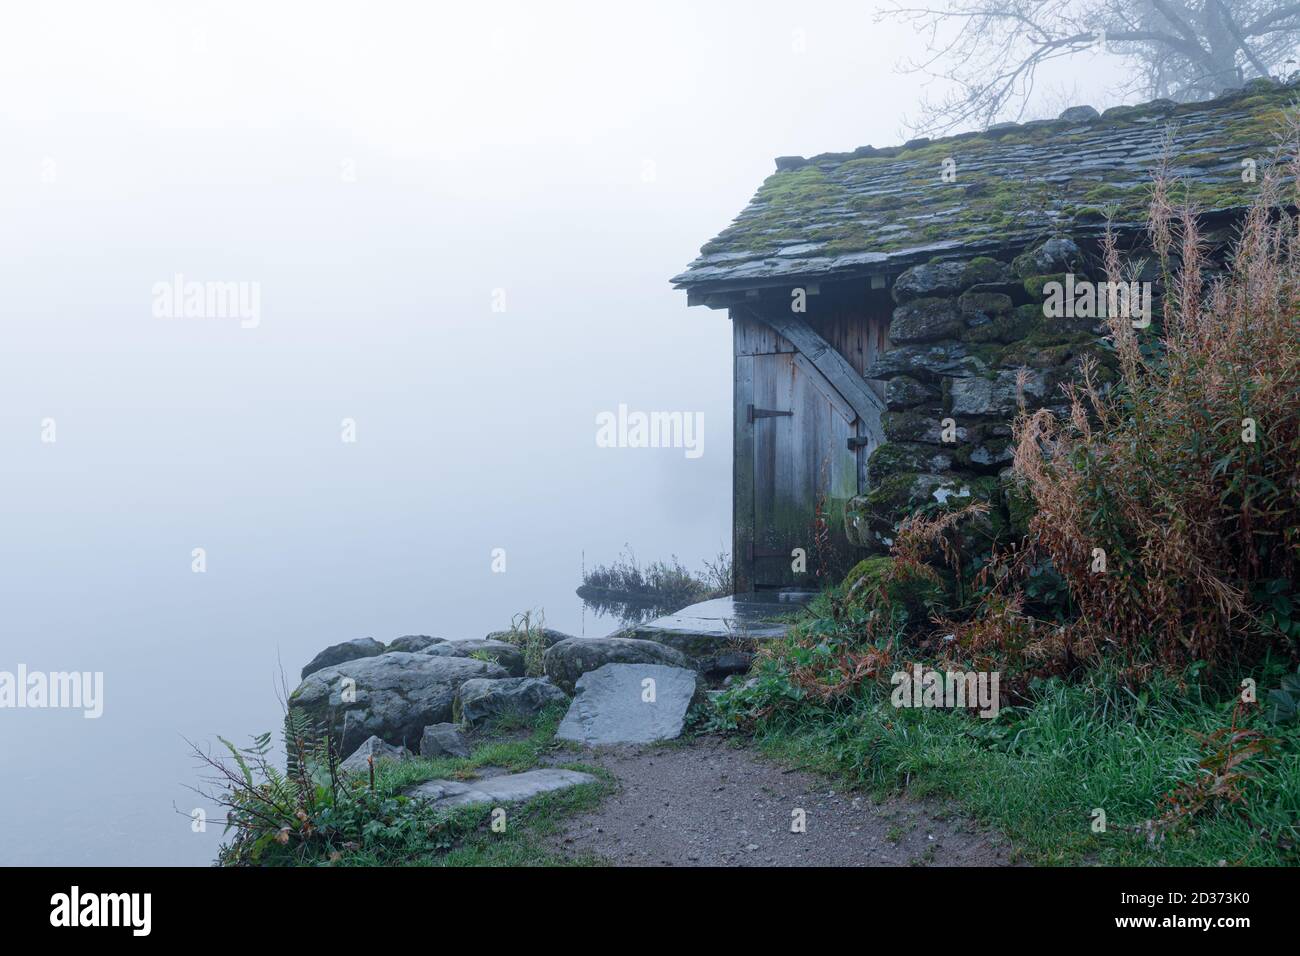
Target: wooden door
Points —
{"points": [[799, 456]]}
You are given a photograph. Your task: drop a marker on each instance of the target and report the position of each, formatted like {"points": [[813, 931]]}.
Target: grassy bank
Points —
{"points": [[357, 825], [1038, 772]]}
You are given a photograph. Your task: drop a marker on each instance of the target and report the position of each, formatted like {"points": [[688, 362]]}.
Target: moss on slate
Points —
{"points": [[841, 203]]}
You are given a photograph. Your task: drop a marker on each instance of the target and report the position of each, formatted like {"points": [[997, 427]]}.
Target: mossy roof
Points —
{"points": [[840, 215]]}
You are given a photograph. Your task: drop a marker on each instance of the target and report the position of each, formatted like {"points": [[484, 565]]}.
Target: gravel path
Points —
{"points": [[710, 803]]}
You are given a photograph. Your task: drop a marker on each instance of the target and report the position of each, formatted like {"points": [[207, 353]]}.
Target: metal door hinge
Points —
{"points": [[752, 413]]}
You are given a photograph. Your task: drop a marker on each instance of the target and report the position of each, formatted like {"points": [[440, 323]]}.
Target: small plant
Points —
{"points": [[528, 633], [1221, 774]]}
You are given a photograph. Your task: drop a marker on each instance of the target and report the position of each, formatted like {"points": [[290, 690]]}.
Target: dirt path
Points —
{"points": [[709, 803]]}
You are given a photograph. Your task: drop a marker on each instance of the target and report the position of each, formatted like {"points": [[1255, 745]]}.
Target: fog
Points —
{"points": [[460, 221]]}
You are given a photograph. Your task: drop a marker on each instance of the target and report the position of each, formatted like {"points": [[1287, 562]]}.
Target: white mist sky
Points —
{"points": [[495, 145]]}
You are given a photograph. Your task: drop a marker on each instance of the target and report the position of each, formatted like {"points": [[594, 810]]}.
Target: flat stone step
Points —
{"points": [[702, 630], [630, 704], [506, 788]]}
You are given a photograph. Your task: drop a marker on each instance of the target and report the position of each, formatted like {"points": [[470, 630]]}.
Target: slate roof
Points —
{"points": [[873, 211]]}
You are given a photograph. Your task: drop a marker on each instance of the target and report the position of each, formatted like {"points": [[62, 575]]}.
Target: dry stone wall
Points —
{"points": [[961, 333]]}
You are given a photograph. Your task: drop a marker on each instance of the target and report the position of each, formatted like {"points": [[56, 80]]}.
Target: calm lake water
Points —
{"points": [[475, 430], [303, 550]]}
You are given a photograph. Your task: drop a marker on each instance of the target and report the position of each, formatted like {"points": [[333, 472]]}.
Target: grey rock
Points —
{"points": [[927, 363], [393, 696], [505, 788], [482, 699], [443, 740], [359, 760], [610, 705], [989, 454], [550, 636], [904, 391], [507, 655], [1053, 256], [982, 396], [932, 278], [984, 270], [569, 660], [726, 664], [925, 320], [892, 457], [412, 643], [1079, 114], [347, 651]]}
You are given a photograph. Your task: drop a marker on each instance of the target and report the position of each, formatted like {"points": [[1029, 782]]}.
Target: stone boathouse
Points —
{"points": [[883, 302]]}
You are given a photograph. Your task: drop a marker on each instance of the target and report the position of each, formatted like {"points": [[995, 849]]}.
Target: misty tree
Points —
{"points": [[989, 52]]}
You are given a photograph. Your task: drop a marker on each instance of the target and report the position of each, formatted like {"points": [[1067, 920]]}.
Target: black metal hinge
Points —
{"points": [[753, 413]]}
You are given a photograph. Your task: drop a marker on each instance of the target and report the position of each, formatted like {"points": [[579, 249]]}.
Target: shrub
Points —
{"points": [[635, 592], [1184, 475]]}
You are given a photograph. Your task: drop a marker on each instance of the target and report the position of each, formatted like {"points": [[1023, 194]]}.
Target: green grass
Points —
{"points": [[1036, 773]]}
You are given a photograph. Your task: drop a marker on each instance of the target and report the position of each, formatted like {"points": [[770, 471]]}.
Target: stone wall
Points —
{"points": [[961, 332]]}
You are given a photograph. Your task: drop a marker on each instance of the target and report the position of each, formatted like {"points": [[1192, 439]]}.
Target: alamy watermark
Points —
{"points": [[63, 690], [625, 429], [75, 908], [182, 299], [924, 687], [1083, 299]]}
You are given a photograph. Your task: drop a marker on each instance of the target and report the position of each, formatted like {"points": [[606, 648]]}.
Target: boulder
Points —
{"points": [[924, 424], [339, 653], [483, 699], [927, 363], [359, 760], [905, 391], [997, 396], [393, 696], [631, 704], [925, 320], [932, 278], [443, 740], [413, 643], [726, 664], [983, 270], [869, 519], [979, 308], [568, 660], [891, 457], [1054, 255], [1079, 114], [878, 582], [507, 655], [550, 636]]}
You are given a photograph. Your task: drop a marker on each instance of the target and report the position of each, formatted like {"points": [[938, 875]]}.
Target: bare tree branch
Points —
{"points": [[984, 55]]}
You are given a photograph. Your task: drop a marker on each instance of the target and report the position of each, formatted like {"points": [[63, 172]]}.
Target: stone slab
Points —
{"points": [[506, 788]]}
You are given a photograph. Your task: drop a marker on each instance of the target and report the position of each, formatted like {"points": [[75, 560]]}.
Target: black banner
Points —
{"points": [[185, 904]]}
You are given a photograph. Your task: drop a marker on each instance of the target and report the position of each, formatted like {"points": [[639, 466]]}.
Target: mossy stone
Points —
{"points": [[909, 425], [984, 269], [1034, 285], [877, 582]]}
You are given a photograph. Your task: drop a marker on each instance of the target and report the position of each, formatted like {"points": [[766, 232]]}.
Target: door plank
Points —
{"points": [[742, 497]]}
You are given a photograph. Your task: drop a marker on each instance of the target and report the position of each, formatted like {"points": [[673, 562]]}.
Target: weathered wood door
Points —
{"points": [[800, 455]]}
